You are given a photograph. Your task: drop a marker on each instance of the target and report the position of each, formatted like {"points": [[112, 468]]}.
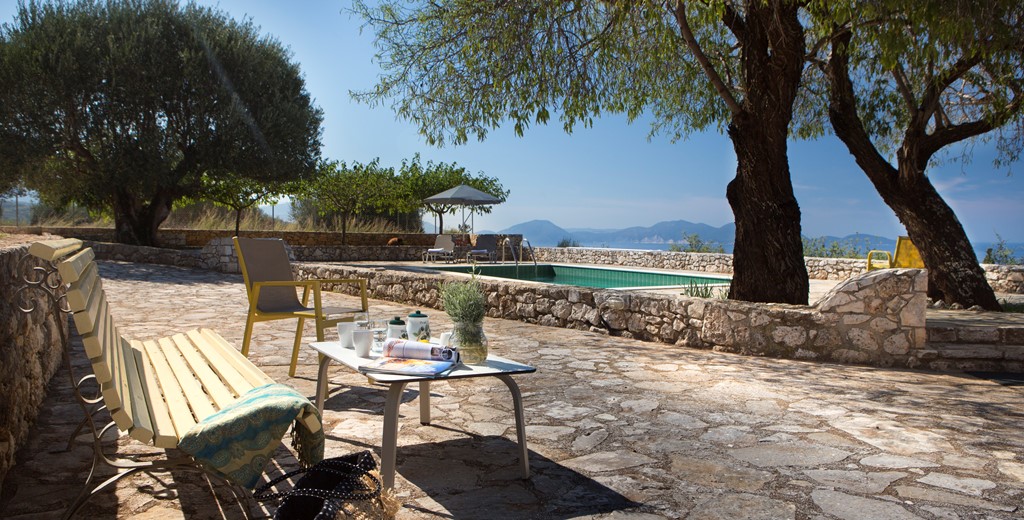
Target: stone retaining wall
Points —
{"points": [[876, 318], [30, 354], [219, 254], [1002, 278], [197, 238]]}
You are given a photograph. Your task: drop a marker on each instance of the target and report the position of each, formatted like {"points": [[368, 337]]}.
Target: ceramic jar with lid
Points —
{"points": [[396, 329], [417, 326]]}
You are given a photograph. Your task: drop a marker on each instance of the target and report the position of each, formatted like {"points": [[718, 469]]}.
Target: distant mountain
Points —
{"points": [[667, 232], [539, 232], [546, 233]]}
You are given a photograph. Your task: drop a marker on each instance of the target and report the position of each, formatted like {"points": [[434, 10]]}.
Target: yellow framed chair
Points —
{"points": [[906, 255], [271, 288]]}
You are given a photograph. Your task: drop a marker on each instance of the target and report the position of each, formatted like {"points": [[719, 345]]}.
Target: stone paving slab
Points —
{"points": [[617, 429]]}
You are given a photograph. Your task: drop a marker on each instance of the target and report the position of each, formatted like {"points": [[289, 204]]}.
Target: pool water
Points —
{"points": [[585, 276]]}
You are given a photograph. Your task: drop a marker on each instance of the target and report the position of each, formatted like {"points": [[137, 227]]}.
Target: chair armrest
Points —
{"points": [[872, 261], [282, 283]]}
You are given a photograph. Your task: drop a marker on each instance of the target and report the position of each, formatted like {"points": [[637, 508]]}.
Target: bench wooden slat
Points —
{"points": [[163, 429], [78, 294], [71, 268], [195, 398], [51, 250], [209, 380], [245, 367], [96, 341], [134, 397], [212, 355], [219, 352], [180, 415], [164, 435], [116, 391], [85, 319]]}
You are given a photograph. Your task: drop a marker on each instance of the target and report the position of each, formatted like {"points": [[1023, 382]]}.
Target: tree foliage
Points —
{"points": [[349, 190], [241, 193], [693, 243], [906, 80], [421, 181], [129, 105], [460, 68]]}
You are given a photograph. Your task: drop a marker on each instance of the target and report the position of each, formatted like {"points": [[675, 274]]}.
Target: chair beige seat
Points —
{"points": [[271, 289], [444, 249]]}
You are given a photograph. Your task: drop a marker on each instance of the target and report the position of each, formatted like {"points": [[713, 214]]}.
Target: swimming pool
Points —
{"points": [[598, 277]]}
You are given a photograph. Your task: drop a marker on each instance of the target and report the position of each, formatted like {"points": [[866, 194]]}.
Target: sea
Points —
{"points": [[1017, 248]]}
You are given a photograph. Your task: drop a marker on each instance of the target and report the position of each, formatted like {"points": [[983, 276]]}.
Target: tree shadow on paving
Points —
{"points": [[479, 477]]}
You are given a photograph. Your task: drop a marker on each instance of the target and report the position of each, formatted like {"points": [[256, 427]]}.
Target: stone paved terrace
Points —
{"points": [[617, 429]]}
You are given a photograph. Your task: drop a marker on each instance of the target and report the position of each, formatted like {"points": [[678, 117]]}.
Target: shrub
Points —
{"points": [[822, 248], [568, 242], [696, 244], [1001, 254]]}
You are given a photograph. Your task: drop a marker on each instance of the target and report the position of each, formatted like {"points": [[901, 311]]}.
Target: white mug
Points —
{"points": [[446, 338], [345, 329], [362, 339]]}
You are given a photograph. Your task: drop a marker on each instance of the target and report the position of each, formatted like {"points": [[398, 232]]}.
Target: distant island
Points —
{"points": [[544, 233]]}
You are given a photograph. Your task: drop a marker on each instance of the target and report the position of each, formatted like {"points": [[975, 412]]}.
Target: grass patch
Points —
{"points": [[1013, 307], [705, 290]]}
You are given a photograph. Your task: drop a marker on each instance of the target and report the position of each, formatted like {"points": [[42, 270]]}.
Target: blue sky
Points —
{"points": [[611, 175]]}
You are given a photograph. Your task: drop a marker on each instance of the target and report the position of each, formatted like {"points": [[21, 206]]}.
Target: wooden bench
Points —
{"points": [[155, 390]]}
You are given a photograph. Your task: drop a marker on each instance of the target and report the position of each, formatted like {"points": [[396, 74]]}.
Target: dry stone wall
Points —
{"points": [[1002, 278], [876, 318], [30, 354], [197, 238]]}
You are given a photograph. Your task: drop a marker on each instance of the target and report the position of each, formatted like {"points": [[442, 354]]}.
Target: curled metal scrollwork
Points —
{"points": [[40, 279]]}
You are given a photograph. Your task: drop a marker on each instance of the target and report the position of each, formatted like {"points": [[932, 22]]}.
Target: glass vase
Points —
{"points": [[471, 342]]}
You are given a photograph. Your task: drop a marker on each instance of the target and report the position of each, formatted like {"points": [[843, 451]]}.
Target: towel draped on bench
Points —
{"points": [[237, 442]]}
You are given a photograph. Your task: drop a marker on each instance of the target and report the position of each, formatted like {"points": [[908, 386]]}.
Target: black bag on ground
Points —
{"points": [[325, 487]]}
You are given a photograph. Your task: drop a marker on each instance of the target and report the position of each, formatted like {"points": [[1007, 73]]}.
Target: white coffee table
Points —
{"points": [[498, 367]]}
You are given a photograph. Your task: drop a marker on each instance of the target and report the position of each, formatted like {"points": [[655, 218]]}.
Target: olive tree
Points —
{"points": [[240, 194], [128, 105], [908, 79], [420, 181], [460, 68], [338, 188]]}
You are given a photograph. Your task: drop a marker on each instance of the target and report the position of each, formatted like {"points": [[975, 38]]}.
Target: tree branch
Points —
{"points": [[842, 112], [691, 42], [904, 88]]}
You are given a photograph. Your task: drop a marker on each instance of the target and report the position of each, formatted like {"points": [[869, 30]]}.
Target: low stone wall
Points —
{"points": [[1002, 278], [197, 238], [30, 354], [1005, 278], [876, 318]]}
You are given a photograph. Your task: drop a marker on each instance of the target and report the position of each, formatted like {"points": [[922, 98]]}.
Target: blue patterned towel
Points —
{"points": [[238, 441]]}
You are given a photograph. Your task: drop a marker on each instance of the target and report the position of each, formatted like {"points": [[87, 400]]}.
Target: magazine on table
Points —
{"points": [[413, 358]]}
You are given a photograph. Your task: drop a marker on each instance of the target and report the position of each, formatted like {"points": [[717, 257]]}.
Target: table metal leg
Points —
{"points": [[389, 445], [424, 402], [517, 403], [321, 383]]}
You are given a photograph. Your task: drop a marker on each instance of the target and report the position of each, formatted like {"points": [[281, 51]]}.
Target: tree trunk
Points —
{"points": [[238, 221], [768, 260], [137, 223], [953, 271], [344, 228]]}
